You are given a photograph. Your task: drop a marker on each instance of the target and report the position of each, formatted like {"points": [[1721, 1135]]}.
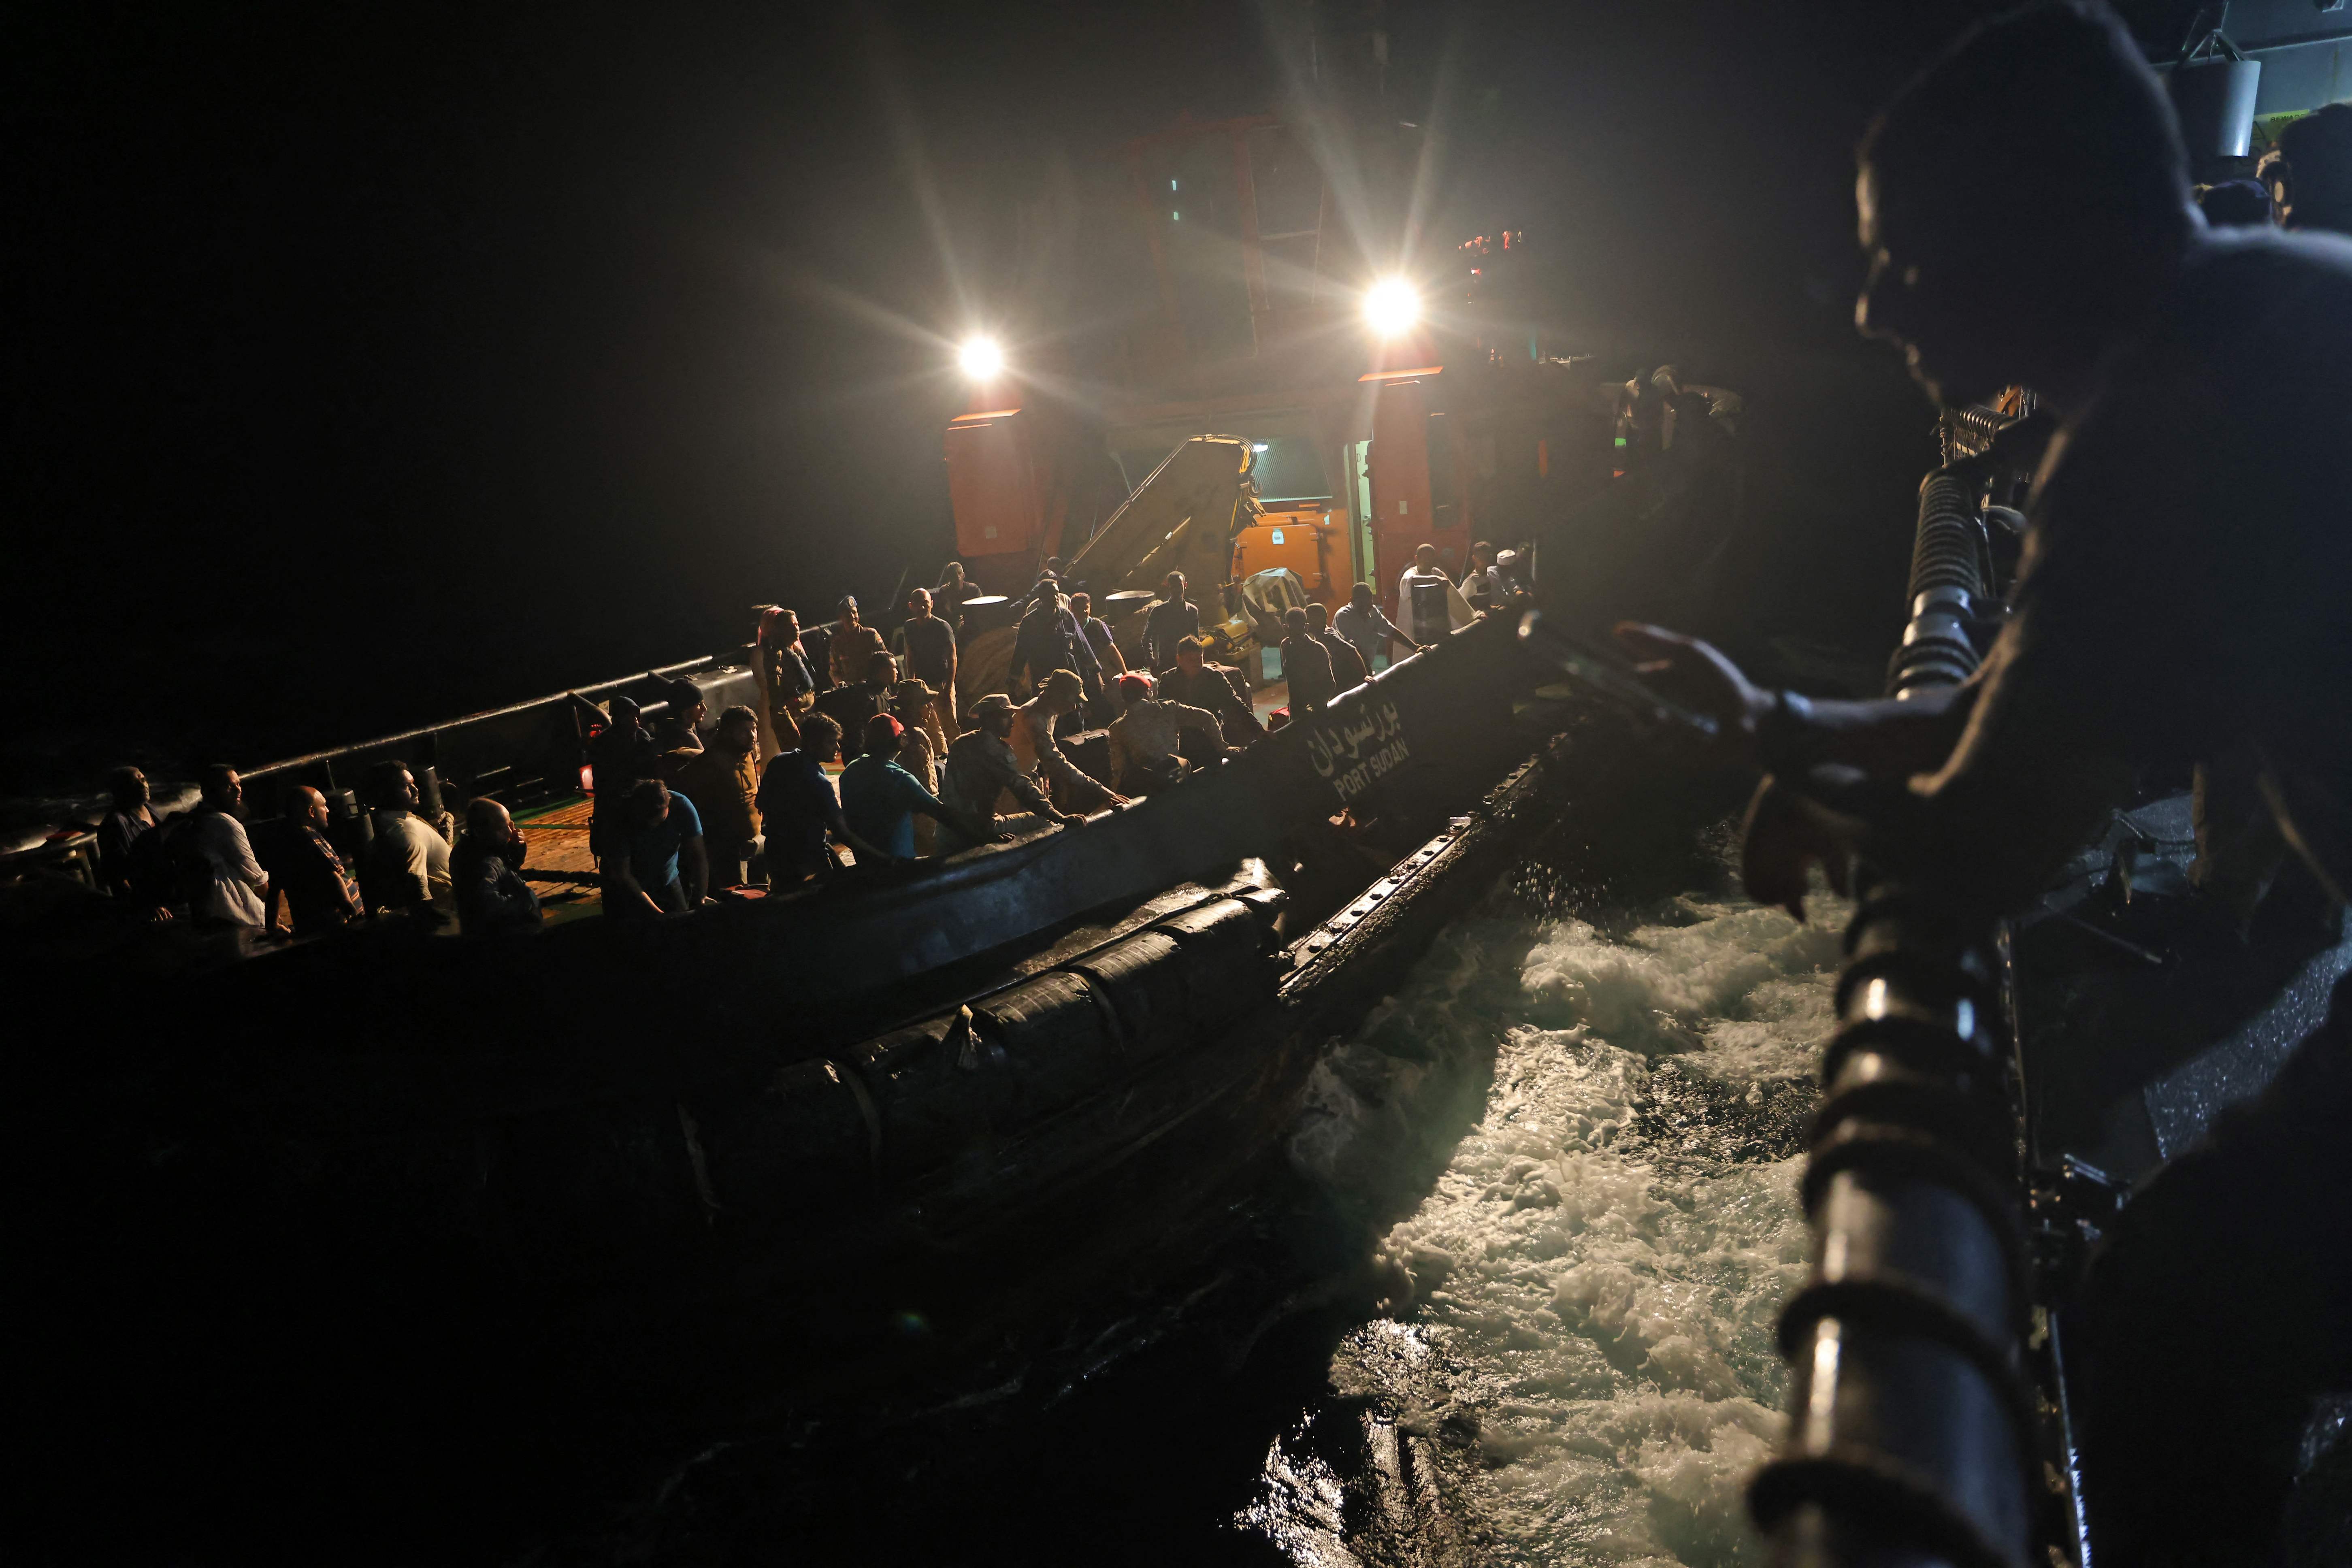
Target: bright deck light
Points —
{"points": [[1391, 306], [981, 358]]}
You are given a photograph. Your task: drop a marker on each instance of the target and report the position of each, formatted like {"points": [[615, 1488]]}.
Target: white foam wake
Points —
{"points": [[1583, 1317]]}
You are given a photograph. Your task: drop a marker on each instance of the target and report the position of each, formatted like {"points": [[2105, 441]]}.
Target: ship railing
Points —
{"points": [[1914, 1432], [517, 752]]}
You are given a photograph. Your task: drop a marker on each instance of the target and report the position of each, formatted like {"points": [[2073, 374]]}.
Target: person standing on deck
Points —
{"points": [[927, 649], [1305, 666], [1170, 621], [787, 684], [817, 645], [954, 589], [1109, 663], [724, 777], [1049, 639], [1360, 620], [1348, 670], [854, 645], [620, 752], [1425, 597], [680, 729], [1478, 581], [1098, 634]]}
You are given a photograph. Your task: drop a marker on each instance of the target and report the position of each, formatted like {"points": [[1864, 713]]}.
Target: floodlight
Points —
{"points": [[981, 358], [1391, 306]]}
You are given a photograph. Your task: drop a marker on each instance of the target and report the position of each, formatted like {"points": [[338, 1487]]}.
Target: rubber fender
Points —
{"points": [[1906, 1433], [595, 1189], [1057, 1040], [1911, 1237], [1226, 971], [1143, 980], [800, 1143], [934, 1104]]}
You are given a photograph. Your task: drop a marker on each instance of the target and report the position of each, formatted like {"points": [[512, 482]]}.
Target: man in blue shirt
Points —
{"points": [[662, 869], [881, 798], [798, 809]]}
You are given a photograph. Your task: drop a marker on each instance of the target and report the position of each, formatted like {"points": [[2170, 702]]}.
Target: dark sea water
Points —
{"points": [[1506, 1298]]}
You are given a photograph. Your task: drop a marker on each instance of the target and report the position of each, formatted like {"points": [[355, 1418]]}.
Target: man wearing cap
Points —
{"points": [[1037, 749], [1145, 739], [879, 798], [927, 649], [916, 706], [680, 729], [854, 645], [981, 769]]}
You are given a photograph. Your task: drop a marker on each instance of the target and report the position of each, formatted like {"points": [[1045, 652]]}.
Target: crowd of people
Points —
{"points": [[864, 746]]}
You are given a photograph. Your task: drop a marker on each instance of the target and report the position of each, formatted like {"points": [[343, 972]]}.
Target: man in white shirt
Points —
{"points": [[409, 860], [233, 890], [1425, 597]]}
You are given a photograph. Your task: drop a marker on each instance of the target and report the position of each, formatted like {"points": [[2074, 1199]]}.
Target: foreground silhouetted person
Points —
{"points": [[2182, 593]]}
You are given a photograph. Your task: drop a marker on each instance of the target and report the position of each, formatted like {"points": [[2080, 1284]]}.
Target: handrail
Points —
{"points": [[663, 672], [1912, 1429]]}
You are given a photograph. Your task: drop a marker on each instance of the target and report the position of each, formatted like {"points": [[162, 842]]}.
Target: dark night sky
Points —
{"points": [[365, 365]]}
